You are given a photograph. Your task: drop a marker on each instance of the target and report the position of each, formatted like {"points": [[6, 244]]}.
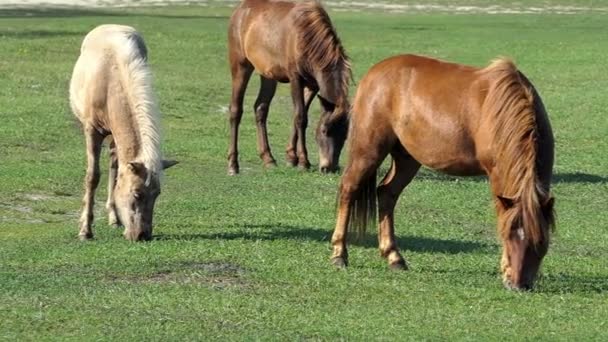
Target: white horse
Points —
{"points": [[111, 94]]}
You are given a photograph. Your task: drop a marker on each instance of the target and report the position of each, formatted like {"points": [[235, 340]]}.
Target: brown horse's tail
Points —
{"points": [[363, 206]]}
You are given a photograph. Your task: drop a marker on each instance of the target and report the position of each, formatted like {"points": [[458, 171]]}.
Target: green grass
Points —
{"points": [[247, 257]]}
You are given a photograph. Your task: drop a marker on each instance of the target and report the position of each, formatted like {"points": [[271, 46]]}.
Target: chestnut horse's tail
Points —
{"points": [[512, 100], [363, 206]]}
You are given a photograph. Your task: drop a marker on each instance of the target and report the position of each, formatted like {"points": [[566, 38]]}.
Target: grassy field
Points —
{"points": [[247, 257]]}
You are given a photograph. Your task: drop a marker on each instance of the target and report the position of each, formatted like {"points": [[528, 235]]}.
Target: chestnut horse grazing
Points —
{"points": [[459, 120], [111, 94], [296, 43]]}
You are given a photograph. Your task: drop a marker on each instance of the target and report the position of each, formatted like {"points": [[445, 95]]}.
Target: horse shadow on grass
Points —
{"points": [[560, 177], [561, 283], [270, 232]]}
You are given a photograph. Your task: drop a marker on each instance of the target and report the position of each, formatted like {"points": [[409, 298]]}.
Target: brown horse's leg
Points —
{"points": [[291, 154], [261, 107], [360, 172], [403, 169], [241, 72], [93, 141], [110, 206], [300, 122]]}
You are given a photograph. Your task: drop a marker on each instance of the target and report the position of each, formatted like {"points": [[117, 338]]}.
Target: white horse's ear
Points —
{"points": [[137, 168], [168, 163]]}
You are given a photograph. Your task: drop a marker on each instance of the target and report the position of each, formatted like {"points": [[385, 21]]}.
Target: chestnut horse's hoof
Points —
{"points": [[293, 162], [339, 262], [232, 171], [399, 265], [305, 165], [270, 164]]}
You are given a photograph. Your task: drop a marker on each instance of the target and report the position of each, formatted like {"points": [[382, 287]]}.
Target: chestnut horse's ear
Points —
{"points": [[137, 168], [506, 202], [547, 205], [168, 163]]}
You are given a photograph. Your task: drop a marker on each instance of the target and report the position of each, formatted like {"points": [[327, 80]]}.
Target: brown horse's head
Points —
{"points": [[135, 193], [525, 234], [330, 135]]}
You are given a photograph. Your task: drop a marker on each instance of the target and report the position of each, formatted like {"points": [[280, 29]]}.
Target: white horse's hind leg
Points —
{"points": [[93, 141], [110, 206]]}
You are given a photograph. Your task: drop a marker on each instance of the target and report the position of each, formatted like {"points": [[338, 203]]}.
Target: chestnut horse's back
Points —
{"points": [[421, 100]]}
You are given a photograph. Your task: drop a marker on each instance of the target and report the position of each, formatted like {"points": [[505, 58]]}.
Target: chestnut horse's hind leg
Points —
{"points": [[93, 141], [110, 206], [358, 175], [261, 107], [402, 171], [241, 72], [291, 153], [302, 97]]}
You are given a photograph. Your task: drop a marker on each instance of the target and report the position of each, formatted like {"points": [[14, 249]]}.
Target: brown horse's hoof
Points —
{"points": [[270, 164], [304, 165], [339, 262], [85, 236], [400, 265], [293, 162], [232, 171]]}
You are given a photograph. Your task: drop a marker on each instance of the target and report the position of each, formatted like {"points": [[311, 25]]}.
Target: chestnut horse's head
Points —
{"points": [[525, 230], [331, 135], [137, 188]]}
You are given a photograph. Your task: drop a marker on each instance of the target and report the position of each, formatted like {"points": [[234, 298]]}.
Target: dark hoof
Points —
{"points": [[521, 288], [233, 171], [292, 162], [304, 166], [400, 265], [271, 164], [85, 237], [339, 262]]}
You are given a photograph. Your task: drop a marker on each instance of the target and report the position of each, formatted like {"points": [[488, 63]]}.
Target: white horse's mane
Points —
{"points": [[137, 81]]}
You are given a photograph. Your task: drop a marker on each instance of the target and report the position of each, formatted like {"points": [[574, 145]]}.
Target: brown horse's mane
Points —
{"points": [[510, 98], [319, 43]]}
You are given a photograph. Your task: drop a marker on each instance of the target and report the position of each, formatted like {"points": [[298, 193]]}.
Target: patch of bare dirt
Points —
{"points": [[215, 274]]}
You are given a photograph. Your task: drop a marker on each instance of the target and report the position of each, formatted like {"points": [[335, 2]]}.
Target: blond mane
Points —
{"points": [[510, 98], [136, 79]]}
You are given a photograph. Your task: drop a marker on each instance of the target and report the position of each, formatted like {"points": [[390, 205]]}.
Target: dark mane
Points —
{"points": [[318, 42], [511, 99]]}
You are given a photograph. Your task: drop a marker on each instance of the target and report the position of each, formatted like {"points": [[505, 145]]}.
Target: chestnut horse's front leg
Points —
{"points": [[94, 139], [241, 72], [296, 149]]}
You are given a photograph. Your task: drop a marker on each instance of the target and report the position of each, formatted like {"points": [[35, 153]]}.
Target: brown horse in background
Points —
{"points": [[111, 94], [459, 120], [296, 43]]}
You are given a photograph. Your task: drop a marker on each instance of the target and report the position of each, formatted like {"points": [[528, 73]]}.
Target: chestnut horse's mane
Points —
{"points": [[511, 99], [318, 42]]}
